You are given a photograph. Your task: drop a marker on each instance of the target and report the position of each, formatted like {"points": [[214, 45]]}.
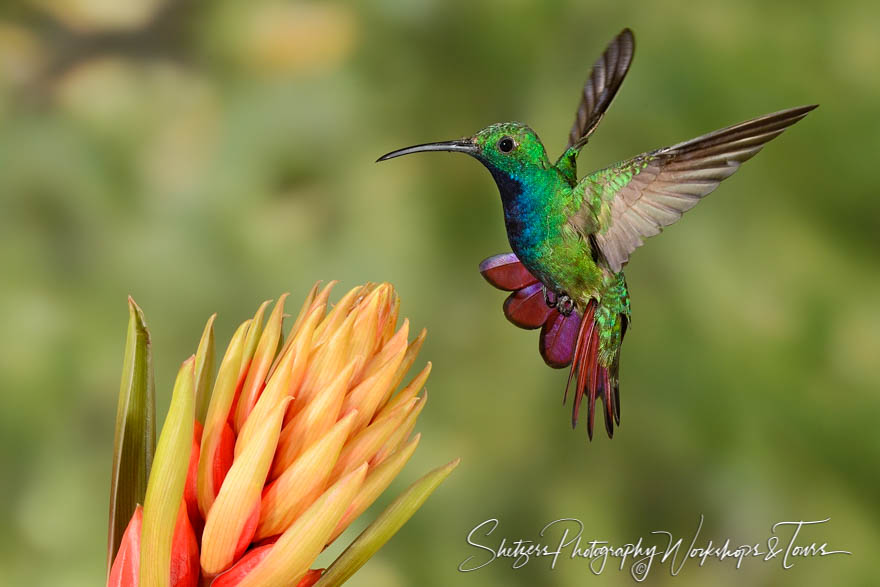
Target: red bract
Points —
{"points": [[184, 553], [184, 571], [190, 493], [126, 566]]}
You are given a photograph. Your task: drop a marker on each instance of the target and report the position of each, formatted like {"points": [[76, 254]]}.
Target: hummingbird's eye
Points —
{"points": [[506, 144]]}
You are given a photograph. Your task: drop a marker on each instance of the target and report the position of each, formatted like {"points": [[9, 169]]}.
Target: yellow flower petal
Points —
{"points": [[167, 480], [325, 363], [255, 330], [401, 433], [384, 527], [218, 413], [334, 319], [239, 495], [300, 544], [312, 422], [302, 482], [275, 390], [303, 312], [259, 368], [395, 346], [364, 445], [411, 390], [412, 351], [365, 332], [372, 391], [377, 481], [390, 318]]}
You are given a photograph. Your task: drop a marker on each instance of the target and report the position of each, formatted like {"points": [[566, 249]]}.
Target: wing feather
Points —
{"points": [[605, 79], [638, 197]]}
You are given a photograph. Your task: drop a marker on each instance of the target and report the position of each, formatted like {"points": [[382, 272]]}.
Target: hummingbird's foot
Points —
{"points": [[565, 305], [551, 298], [561, 301]]}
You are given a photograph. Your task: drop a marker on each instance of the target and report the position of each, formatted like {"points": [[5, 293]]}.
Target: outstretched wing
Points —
{"points": [[634, 199], [605, 79]]}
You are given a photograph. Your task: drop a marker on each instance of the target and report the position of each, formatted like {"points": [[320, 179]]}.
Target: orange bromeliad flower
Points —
{"points": [[257, 471]]}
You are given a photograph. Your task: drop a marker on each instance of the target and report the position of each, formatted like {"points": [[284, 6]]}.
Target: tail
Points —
{"points": [[594, 379], [565, 340]]}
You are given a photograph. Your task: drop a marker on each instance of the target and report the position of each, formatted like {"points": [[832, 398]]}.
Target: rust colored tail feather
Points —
{"points": [[593, 380]]}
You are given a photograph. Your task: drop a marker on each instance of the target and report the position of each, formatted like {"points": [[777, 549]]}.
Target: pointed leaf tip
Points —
{"points": [[135, 434], [204, 369]]}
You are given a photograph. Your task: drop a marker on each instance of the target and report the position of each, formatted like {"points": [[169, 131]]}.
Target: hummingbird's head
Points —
{"points": [[507, 147]]}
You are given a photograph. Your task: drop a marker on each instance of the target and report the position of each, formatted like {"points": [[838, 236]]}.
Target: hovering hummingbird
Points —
{"points": [[571, 238]]}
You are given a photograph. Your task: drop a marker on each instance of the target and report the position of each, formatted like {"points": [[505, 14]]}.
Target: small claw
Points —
{"points": [[550, 301], [566, 305]]}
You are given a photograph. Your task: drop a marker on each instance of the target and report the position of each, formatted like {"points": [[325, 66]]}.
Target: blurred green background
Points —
{"points": [[204, 156]]}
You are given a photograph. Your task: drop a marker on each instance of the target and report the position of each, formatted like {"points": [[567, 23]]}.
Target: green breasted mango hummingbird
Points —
{"points": [[571, 238]]}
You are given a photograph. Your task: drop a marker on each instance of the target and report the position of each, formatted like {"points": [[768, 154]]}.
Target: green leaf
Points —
{"points": [[384, 527], [135, 437], [205, 369], [167, 481]]}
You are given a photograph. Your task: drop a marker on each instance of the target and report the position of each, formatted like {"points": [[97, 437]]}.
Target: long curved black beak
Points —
{"points": [[460, 145]]}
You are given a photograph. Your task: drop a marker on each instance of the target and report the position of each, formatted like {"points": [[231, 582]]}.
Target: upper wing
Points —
{"points": [[605, 79], [634, 199]]}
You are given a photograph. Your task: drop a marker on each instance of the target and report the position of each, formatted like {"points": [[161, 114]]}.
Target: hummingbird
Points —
{"points": [[572, 237]]}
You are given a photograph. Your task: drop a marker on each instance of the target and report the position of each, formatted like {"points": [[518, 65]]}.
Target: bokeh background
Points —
{"points": [[204, 156]]}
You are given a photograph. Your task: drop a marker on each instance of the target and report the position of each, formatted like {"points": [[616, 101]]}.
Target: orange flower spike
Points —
{"points": [[302, 482], [396, 345], [364, 335], [411, 390], [389, 318], [323, 298], [334, 319], [377, 481], [263, 357], [214, 437], [312, 422], [127, 564], [289, 558], [319, 419], [254, 331], [412, 351], [241, 489], [275, 390], [246, 564], [325, 364], [400, 434], [302, 351], [317, 304], [384, 527], [364, 445], [370, 393], [304, 311]]}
